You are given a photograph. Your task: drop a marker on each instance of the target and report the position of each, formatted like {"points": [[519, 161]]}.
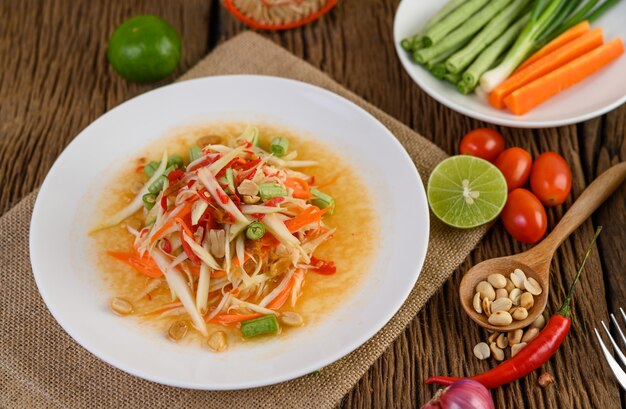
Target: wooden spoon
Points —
{"points": [[536, 261]]}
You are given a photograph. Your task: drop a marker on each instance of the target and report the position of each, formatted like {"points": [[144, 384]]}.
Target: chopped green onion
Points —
{"points": [[255, 231], [279, 146], [149, 200], [175, 160], [230, 180], [271, 190], [158, 184], [194, 153], [267, 324], [150, 168], [322, 200]]}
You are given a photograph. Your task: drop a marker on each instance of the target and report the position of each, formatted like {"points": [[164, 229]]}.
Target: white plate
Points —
{"points": [[596, 95], [71, 285]]}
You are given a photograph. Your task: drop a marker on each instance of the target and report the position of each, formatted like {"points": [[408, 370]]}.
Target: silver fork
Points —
{"points": [[613, 364]]}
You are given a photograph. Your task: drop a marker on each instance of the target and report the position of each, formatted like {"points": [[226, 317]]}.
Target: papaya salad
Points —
{"points": [[231, 232]]}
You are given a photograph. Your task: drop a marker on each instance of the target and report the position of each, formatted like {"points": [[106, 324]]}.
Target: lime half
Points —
{"points": [[465, 191]]}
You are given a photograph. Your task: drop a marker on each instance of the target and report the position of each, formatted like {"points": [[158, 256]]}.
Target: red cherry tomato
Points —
{"points": [[551, 179], [515, 165], [483, 143], [524, 216]]}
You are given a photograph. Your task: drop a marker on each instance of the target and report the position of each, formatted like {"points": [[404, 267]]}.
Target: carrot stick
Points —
{"points": [[280, 299], [145, 265], [569, 35], [300, 188], [227, 319], [184, 212], [530, 95], [546, 64], [309, 215]]}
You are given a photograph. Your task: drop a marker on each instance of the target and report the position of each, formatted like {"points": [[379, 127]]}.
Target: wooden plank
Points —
{"points": [[56, 79]]}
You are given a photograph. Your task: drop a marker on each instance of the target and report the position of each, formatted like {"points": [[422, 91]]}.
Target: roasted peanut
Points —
{"points": [[121, 306], [482, 351], [500, 318], [486, 290], [497, 280]]}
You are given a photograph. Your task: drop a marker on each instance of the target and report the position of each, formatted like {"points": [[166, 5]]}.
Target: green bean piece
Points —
{"points": [[150, 168], [323, 200], [255, 230], [492, 31], [158, 184], [267, 324], [456, 18], [194, 153], [149, 200], [175, 160], [466, 31], [271, 190], [279, 146]]}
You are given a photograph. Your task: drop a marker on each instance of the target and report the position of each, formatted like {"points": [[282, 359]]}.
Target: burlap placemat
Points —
{"points": [[41, 366]]}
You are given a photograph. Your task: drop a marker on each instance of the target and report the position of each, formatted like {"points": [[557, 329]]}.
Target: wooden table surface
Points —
{"points": [[55, 80]]}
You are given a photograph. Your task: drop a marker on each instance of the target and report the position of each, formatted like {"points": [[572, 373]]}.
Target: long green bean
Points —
{"points": [[464, 32], [453, 20]]}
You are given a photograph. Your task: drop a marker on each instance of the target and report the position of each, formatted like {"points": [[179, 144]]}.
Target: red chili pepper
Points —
{"points": [[223, 197], [186, 247], [323, 267], [273, 202], [167, 245], [190, 183], [258, 216], [164, 202], [236, 200], [230, 164], [537, 352], [175, 175]]}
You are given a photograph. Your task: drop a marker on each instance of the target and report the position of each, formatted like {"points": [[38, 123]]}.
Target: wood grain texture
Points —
{"points": [[55, 80]]}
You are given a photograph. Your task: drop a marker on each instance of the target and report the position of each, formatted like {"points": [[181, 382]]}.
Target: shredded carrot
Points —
{"points": [[184, 212], [145, 265], [557, 58], [163, 308], [310, 215], [227, 319], [218, 274], [569, 35], [300, 188], [529, 96], [282, 297]]}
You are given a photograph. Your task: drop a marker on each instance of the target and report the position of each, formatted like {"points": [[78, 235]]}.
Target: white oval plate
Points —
{"points": [[596, 95], [72, 286]]}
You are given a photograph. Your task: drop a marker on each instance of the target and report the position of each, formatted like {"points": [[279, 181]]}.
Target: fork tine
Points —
{"points": [[615, 368], [618, 351], [623, 314], [619, 329]]}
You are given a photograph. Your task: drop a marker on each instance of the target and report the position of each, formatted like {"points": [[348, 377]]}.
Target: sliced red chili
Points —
{"points": [[323, 267], [258, 216], [175, 175], [164, 202], [273, 202], [223, 197], [167, 245]]}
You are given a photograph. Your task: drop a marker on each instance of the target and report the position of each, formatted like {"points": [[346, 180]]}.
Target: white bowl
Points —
{"points": [[594, 96], [72, 286]]}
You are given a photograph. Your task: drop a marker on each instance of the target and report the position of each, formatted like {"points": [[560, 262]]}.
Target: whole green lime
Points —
{"points": [[144, 49]]}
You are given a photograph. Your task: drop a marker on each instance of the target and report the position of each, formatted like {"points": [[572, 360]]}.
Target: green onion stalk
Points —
{"points": [[486, 59], [548, 18]]}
